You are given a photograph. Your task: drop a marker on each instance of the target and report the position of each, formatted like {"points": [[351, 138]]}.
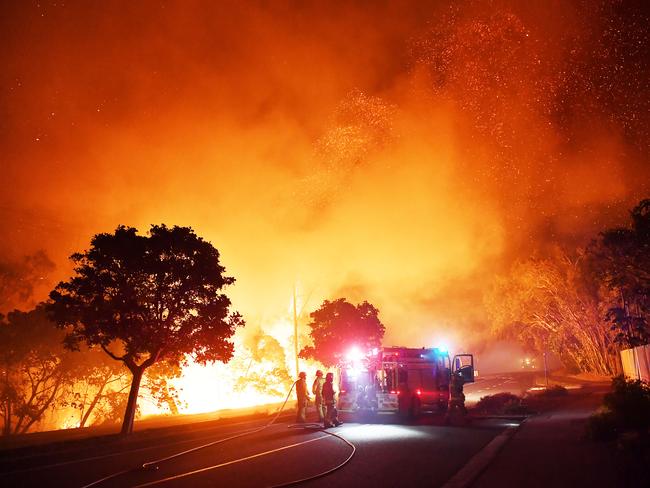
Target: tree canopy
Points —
{"points": [[339, 325], [33, 371], [620, 259], [145, 299], [543, 303], [583, 304]]}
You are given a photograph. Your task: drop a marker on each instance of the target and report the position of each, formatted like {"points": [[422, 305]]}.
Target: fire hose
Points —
{"points": [[324, 473], [153, 465]]}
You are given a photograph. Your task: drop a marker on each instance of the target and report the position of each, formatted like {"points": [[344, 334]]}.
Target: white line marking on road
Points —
{"points": [[122, 453], [209, 468]]}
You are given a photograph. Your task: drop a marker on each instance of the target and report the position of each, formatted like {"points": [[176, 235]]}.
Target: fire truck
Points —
{"points": [[400, 380]]}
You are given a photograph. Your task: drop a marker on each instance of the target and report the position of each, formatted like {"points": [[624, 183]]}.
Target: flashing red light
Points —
{"points": [[393, 392], [418, 392], [342, 391]]}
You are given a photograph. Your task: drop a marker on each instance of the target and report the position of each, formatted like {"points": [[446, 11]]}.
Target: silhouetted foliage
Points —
{"points": [[145, 299], [33, 369], [620, 259], [499, 403], [626, 408], [554, 391], [162, 392], [339, 325], [629, 401], [96, 378]]}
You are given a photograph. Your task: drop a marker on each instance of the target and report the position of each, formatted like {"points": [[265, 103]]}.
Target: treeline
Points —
{"points": [[121, 327], [43, 385], [138, 306], [583, 304], [135, 310]]}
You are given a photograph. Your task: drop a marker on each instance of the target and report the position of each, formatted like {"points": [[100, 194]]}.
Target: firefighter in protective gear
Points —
{"points": [[317, 390], [456, 408], [329, 397], [302, 396]]}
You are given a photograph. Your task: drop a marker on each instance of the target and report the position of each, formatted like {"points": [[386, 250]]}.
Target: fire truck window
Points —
{"points": [[428, 380]]}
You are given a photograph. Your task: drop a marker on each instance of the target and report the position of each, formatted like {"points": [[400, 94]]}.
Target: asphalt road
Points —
{"points": [[388, 453]]}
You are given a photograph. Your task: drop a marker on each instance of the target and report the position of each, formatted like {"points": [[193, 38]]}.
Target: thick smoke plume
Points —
{"points": [[399, 152]]}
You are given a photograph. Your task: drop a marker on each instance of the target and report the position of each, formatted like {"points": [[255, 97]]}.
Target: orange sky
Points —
{"points": [[399, 152]]}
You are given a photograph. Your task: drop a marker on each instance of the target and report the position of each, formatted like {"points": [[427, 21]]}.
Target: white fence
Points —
{"points": [[636, 362]]}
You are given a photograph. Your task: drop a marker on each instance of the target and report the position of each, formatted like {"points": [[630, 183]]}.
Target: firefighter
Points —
{"points": [[329, 397], [317, 390], [302, 396], [456, 407]]}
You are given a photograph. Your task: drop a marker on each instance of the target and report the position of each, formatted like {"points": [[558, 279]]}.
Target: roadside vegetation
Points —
{"points": [[510, 404], [583, 304], [138, 306], [136, 309], [623, 423], [625, 413]]}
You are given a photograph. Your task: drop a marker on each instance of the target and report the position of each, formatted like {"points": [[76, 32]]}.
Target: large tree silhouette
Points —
{"points": [[145, 299], [620, 259], [339, 325]]}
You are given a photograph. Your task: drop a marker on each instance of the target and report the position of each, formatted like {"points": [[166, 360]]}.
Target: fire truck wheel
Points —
{"points": [[442, 406]]}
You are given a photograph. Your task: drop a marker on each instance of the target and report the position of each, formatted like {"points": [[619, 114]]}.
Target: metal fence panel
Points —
{"points": [[636, 362]]}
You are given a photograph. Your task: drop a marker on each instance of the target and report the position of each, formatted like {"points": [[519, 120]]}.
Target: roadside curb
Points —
{"points": [[481, 460]]}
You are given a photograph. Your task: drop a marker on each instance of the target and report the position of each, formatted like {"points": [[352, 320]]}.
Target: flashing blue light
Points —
{"points": [[442, 349]]}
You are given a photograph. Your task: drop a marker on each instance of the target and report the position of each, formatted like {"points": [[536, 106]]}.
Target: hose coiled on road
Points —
{"points": [[324, 473], [154, 464]]}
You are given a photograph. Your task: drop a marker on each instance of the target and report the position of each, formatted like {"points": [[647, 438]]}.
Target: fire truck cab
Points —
{"points": [[400, 380]]}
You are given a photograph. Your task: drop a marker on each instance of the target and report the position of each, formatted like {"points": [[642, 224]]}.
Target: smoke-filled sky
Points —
{"points": [[400, 152]]}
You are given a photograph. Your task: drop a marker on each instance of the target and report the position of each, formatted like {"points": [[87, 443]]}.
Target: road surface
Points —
{"points": [[388, 453]]}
